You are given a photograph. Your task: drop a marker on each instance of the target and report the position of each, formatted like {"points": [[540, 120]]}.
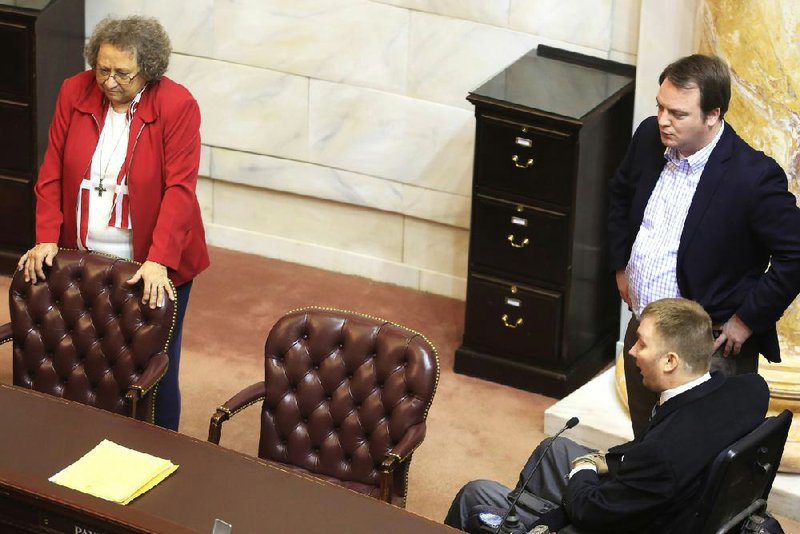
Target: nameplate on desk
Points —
{"points": [[221, 527], [85, 530]]}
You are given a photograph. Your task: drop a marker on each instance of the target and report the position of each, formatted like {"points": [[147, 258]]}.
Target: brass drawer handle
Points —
{"points": [[519, 165], [521, 244], [517, 323]]}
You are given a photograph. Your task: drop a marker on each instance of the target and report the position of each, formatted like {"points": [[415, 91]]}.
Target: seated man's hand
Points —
{"points": [[598, 459]]}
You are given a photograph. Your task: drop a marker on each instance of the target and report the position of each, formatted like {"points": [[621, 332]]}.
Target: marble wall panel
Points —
{"points": [[205, 161], [443, 284], [205, 196], [450, 57], [315, 255], [356, 42], [493, 12], [340, 186], [324, 120], [391, 136], [582, 22], [437, 206], [435, 247], [625, 26], [189, 24], [676, 22], [246, 108], [347, 228]]}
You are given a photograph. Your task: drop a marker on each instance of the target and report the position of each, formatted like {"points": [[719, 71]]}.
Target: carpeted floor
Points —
{"points": [[476, 429]]}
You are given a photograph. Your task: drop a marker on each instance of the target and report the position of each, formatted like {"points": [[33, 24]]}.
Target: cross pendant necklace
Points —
{"points": [[104, 173]]}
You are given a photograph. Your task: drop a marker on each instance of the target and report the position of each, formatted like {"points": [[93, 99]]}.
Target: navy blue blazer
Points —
{"points": [[654, 482], [742, 219]]}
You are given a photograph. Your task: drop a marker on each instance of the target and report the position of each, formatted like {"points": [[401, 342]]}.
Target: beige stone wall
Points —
{"points": [[759, 40], [336, 133]]}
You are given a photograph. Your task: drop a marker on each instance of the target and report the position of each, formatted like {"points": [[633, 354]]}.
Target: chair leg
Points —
{"points": [[215, 426], [387, 470]]}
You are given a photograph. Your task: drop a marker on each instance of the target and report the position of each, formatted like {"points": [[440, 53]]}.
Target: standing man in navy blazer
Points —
{"points": [[698, 213]]}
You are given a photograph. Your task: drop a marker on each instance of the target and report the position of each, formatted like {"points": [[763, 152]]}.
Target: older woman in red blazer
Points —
{"points": [[120, 172]]}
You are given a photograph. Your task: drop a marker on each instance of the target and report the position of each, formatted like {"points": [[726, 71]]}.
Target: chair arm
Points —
{"points": [[155, 371], [5, 333], [410, 441], [247, 397], [398, 455]]}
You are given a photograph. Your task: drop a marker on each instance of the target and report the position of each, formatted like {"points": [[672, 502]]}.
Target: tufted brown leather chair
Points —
{"points": [[84, 335], [345, 398]]}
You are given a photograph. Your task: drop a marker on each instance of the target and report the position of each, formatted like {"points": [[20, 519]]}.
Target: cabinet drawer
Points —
{"points": [[15, 68], [526, 161], [16, 214], [515, 322], [522, 241], [16, 138]]}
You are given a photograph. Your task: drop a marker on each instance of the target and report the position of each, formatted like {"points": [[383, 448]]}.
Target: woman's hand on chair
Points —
{"points": [[156, 283], [32, 262]]}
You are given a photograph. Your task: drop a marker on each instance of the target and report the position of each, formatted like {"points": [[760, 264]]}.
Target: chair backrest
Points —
{"points": [[742, 473], [342, 390], [83, 333]]}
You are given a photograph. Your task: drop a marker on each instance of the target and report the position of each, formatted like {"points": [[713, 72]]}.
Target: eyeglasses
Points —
{"points": [[122, 79]]}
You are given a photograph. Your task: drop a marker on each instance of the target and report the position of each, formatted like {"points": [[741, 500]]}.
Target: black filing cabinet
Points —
{"points": [[542, 309], [41, 44]]}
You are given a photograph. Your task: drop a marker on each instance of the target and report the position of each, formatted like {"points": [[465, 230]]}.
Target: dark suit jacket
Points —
{"points": [[654, 482], [742, 217]]}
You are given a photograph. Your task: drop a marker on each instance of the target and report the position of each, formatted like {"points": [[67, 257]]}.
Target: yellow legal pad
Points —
{"points": [[114, 473]]}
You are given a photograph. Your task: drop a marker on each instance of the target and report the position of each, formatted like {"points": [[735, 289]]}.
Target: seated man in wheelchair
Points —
{"points": [[653, 483]]}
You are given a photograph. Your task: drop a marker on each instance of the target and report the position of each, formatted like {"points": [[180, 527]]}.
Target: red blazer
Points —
{"points": [[162, 178]]}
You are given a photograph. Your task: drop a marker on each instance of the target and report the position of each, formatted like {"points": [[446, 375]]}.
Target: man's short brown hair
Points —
{"points": [[708, 73], [684, 328]]}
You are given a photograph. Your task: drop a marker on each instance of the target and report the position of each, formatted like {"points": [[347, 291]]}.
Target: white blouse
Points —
{"points": [[107, 162]]}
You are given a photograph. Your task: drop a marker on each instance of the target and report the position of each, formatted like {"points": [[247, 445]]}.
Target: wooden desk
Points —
{"points": [[42, 434]]}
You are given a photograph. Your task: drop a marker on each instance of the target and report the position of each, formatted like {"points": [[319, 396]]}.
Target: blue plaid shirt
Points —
{"points": [[651, 269]]}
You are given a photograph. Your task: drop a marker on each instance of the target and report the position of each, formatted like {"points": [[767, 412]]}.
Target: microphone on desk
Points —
{"points": [[503, 527]]}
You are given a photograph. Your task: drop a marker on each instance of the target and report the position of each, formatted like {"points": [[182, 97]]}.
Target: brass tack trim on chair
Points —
{"points": [[375, 318], [244, 407], [153, 404], [248, 405], [403, 463]]}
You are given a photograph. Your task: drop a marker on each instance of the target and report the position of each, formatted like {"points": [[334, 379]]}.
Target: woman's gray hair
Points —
{"points": [[144, 36]]}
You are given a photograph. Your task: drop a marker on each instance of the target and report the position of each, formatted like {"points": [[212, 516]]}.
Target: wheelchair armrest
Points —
{"points": [[247, 397]]}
